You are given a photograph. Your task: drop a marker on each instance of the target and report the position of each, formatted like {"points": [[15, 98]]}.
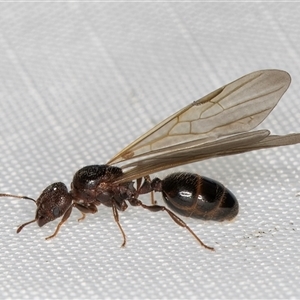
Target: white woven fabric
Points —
{"points": [[80, 81]]}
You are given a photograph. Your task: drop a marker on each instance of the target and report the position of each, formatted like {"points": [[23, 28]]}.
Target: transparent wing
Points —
{"points": [[236, 144], [234, 108]]}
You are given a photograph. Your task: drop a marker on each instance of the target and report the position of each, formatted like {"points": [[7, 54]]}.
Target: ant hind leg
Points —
{"points": [[176, 219]]}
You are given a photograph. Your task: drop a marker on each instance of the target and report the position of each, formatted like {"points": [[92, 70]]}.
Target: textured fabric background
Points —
{"points": [[78, 82]]}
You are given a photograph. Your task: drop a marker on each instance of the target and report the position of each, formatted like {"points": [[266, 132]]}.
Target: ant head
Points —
{"points": [[52, 203]]}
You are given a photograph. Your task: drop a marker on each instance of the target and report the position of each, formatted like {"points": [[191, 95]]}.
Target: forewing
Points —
{"points": [[236, 107], [240, 143]]}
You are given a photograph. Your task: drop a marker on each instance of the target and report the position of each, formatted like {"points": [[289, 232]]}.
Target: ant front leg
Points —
{"points": [[176, 219], [63, 220]]}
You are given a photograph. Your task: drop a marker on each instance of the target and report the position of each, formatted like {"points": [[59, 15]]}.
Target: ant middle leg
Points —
{"points": [[146, 188], [116, 216], [91, 209]]}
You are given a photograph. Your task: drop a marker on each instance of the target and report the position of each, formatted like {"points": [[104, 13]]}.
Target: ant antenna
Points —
{"points": [[20, 197], [15, 196]]}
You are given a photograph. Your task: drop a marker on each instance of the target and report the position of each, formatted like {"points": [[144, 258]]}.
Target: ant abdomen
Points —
{"points": [[195, 196]]}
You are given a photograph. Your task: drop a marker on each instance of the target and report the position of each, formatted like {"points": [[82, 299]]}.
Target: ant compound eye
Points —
{"points": [[56, 212]]}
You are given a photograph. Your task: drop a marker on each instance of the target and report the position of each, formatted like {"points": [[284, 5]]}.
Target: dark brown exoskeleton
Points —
{"points": [[218, 124], [187, 194], [195, 196]]}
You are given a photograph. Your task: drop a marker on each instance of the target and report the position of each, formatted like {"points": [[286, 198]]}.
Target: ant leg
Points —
{"points": [[147, 188], [23, 225], [91, 209], [116, 216], [63, 220], [82, 217], [176, 219], [138, 183], [153, 201]]}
